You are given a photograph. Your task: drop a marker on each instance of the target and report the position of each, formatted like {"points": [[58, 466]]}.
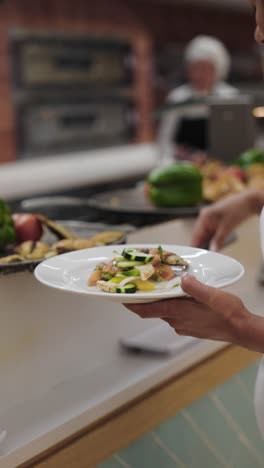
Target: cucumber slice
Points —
{"points": [[119, 258], [136, 255], [127, 289], [128, 264]]}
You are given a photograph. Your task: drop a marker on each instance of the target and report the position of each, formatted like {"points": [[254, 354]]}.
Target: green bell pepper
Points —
{"points": [[252, 156], [7, 229], [174, 196], [181, 172], [179, 184]]}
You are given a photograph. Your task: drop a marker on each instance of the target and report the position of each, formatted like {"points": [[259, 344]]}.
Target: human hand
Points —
{"points": [[209, 313], [216, 221]]}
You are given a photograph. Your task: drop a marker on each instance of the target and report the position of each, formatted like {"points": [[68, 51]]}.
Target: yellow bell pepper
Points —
{"points": [[117, 280], [145, 286]]}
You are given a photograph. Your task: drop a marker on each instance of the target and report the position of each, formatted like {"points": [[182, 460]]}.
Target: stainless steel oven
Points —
{"points": [[69, 92]]}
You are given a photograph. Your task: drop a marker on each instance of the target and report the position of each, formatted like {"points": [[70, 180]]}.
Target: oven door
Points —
{"points": [[51, 60], [65, 125]]}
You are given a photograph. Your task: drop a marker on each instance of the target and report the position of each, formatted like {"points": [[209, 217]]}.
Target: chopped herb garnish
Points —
{"points": [[107, 276], [160, 250]]}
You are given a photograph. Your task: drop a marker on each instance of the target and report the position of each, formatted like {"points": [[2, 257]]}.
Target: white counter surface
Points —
{"points": [[61, 365], [62, 368], [43, 175]]}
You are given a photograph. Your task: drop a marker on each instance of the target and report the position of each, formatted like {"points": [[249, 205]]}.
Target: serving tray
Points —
{"points": [[78, 229]]}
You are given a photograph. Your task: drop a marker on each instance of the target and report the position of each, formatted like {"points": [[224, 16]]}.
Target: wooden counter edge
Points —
{"points": [[120, 428]]}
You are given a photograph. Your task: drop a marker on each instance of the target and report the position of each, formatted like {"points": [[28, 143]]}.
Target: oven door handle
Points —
{"points": [[85, 120], [73, 63]]}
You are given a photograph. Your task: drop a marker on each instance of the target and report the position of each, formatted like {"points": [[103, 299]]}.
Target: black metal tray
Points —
{"points": [[133, 201], [78, 229]]}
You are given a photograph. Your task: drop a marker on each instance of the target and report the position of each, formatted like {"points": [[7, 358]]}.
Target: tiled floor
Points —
{"points": [[217, 431]]}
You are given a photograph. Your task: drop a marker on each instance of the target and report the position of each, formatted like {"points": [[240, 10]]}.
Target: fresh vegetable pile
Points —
{"points": [[201, 179], [135, 270]]}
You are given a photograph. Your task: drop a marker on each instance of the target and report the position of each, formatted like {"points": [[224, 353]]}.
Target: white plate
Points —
{"points": [[70, 272]]}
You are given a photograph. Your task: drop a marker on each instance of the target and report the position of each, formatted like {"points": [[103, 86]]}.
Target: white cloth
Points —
{"points": [[259, 387], [171, 119]]}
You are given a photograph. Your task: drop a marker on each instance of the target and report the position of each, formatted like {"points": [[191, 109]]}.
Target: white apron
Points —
{"points": [[259, 388]]}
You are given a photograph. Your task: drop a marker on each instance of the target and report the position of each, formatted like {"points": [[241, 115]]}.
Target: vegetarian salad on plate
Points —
{"points": [[136, 273], [139, 269]]}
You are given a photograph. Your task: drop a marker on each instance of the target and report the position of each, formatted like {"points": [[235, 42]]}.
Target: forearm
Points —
{"points": [[255, 199], [251, 334]]}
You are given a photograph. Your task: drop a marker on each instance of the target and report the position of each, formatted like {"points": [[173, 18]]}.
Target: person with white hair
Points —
{"points": [[184, 130]]}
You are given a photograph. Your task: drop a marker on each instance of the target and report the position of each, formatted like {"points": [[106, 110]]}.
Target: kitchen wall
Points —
{"points": [[147, 24], [177, 21]]}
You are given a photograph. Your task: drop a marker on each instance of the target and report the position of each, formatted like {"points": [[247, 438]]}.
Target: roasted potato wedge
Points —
{"points": [[107, 237], [66, 245]]}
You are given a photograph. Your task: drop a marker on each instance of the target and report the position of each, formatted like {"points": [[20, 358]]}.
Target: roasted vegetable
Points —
{"points": [[60, 231], [39, 251], [11, 258], [107, 237], [25, 248], [67, 245], [31, 250], [7, 229], [24, 231]]}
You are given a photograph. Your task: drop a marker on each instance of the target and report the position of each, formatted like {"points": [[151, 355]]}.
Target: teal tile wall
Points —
{"points": [[219, 430]]}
